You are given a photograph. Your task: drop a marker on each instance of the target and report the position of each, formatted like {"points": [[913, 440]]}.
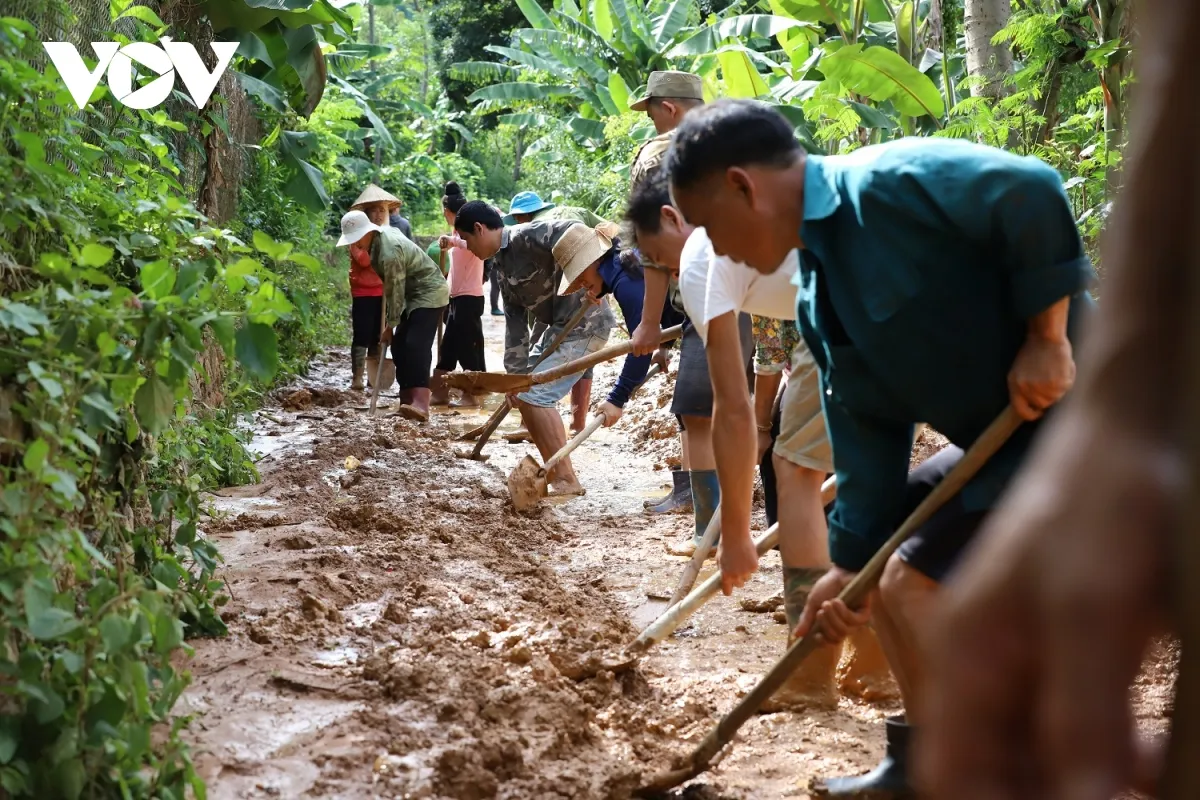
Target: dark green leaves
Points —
{"points": [[256, 349], [155, 404], [45, 620]]}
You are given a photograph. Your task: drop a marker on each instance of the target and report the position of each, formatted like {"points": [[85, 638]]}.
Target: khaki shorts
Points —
{"points": [[802, 438]]}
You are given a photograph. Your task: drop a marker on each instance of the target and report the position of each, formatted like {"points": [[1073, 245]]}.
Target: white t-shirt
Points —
{"points": [[713, 285]]}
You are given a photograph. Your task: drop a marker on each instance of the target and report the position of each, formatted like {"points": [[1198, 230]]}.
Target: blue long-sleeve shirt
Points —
{"points": [[629, 288], [923, 261]]}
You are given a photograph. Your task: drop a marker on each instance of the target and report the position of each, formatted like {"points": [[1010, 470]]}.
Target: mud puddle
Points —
{"points": [[398, 631]]}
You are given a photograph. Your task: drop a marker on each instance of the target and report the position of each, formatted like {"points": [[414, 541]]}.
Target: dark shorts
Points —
{"points": [[938, 544], [693, 387], [366, 318], [412, 347], [462, 341]]}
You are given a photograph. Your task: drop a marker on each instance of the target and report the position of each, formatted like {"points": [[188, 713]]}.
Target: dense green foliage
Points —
{"points": [[135, 331]]}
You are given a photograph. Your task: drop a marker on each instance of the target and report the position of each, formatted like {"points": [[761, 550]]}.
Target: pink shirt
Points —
{"points": [[466, 269], [466, 273]]}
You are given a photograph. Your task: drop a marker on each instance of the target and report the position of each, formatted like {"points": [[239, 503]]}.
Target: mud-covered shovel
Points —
{"points": [[853, 595], [527, 482], [482, 434]]}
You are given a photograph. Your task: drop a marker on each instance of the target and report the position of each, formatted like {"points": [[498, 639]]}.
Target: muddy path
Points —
{"points": [[397, 630]]}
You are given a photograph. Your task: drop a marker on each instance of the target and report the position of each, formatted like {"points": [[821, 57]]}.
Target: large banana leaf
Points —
{"points": [[521, 91], [525, 119], [602, 19], [536, 15], [671, 23], [587, 128], [531, 60], [882, 74], [250, 15], [741, 78], [826, 12], [619, 91], [483, 71], [743, 27]]}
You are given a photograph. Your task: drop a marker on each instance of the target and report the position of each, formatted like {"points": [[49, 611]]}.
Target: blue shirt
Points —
{"points": [[923, 260], [629, 288]]}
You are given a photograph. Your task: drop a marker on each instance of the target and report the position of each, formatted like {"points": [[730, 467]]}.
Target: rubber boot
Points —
{"points": [[706, 494], [888, 781], [864, 671], [358, 366], [440, 391], [812, 685], [678, 500], [581, 399], [416, 406]]}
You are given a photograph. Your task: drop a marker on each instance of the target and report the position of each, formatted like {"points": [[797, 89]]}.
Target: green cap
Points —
{"points": [[670, 84]]}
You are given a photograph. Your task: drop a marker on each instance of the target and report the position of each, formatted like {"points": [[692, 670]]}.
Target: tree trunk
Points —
{"points": [[371, 22], [990, 64]]}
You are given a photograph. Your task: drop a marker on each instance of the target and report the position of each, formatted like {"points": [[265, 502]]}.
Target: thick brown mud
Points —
{"points": [[398, 630]]}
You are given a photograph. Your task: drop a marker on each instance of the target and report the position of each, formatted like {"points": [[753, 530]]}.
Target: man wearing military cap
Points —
{"points": [[669, 97]]}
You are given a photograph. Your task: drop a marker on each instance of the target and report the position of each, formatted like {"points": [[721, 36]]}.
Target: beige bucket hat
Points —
{"points": [[576, 250], [670, 84], [373, 194]]}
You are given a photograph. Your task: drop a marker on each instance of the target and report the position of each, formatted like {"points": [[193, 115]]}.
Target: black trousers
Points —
{"points": [[366, 320], [494, 283], [462, 341], [412, 347]]}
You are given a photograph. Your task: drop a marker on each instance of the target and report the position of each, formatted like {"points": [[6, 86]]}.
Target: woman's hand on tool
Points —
{"points": [[662, 358], [738, 559], [645, 338], [1044, 625], [385, 335], [610, 413], [833, 618]]}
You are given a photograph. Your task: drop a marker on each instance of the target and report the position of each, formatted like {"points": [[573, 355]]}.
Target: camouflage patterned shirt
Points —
{"points": [[649, 156], [529, 281], [410, 279], [569, 213]]}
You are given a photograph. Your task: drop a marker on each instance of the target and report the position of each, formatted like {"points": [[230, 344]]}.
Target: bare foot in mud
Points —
{"points": [[864, 672], [566, 488], [687, 548], [811, 686], [517, 436], [466, 401]]}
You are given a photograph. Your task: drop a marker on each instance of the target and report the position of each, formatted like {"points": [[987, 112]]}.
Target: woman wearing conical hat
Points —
{"points": [[382, 208]]}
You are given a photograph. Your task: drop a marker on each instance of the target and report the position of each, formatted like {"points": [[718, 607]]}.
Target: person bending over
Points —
{"points": [[939, 281], [524, 255]]}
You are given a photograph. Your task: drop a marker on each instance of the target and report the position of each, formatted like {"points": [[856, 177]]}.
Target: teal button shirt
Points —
{"points": [[923, 260]]}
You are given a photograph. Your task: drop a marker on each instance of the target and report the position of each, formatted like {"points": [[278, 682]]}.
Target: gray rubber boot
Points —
{"points": [[888, 781], [358, 366], [706, 494], [679, 500]]}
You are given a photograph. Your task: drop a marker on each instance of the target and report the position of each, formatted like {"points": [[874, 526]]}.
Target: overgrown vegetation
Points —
{"points": [[136, 329]]}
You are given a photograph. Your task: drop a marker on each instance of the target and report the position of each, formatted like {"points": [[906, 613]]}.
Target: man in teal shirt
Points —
{"points": [[939, 281]]}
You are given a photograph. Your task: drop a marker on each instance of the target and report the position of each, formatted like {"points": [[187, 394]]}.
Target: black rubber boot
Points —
{"points": [[888, 781], [679, 501]]}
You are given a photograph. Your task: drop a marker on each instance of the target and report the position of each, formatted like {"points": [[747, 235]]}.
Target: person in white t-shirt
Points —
{"points": [[715, 290]]}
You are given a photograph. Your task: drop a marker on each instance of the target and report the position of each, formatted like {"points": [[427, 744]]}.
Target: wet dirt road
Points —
{"points": [[398, 631]]}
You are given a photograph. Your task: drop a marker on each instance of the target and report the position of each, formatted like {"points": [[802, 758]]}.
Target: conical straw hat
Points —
{"points": [[373, 194]]}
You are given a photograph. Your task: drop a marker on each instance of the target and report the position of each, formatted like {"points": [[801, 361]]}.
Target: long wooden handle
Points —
{"points": [[677, 614], [592, 426], [598, 357], [378, 387], [854, 594], [688, 579], [500, 413]]}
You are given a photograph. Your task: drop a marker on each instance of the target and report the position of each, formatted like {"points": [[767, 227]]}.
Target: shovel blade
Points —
{"points": [[526, 484], [495, 382]]}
